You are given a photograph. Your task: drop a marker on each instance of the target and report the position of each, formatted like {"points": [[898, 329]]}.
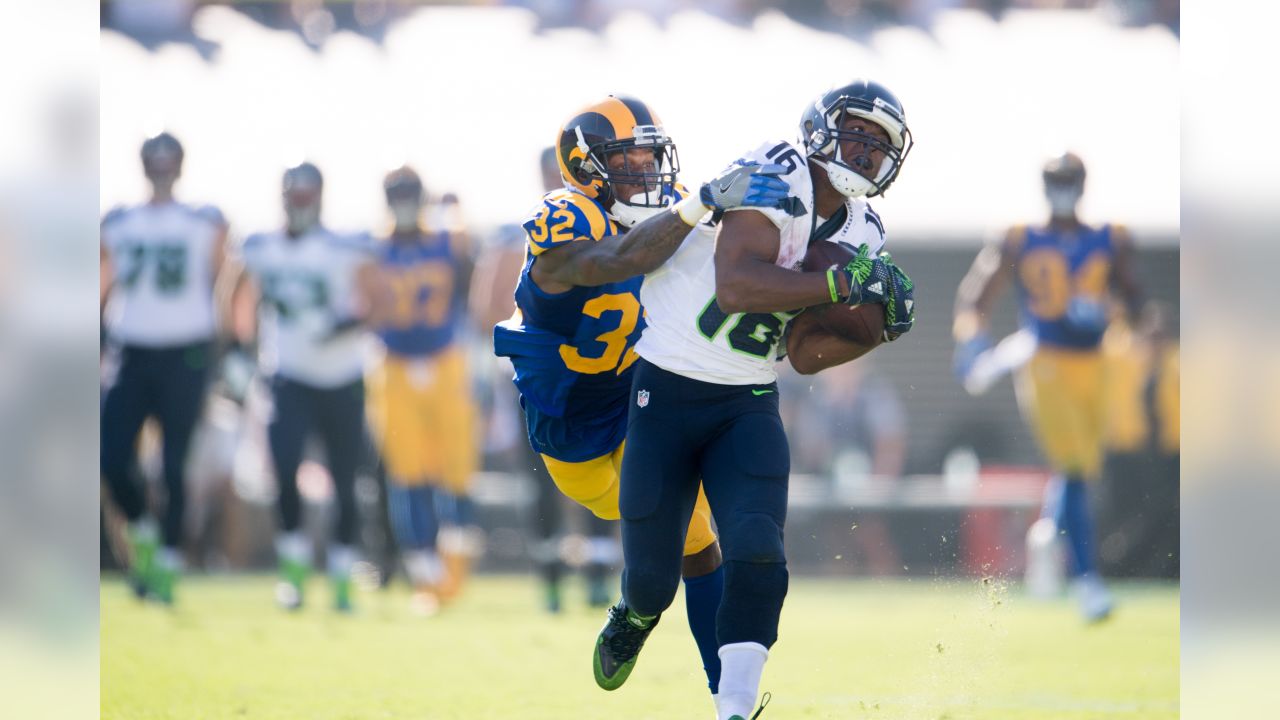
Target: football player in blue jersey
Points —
{"points": [[1063, 271], [620, 214], [419, 405], [159, 265], [312, 288]]}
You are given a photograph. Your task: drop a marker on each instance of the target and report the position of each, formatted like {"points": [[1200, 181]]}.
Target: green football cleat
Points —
{"points": [[342, 595], [161, 583], [618, 646], [143, 546], [293, 575]]}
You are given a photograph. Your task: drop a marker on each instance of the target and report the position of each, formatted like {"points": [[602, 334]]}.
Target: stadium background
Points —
{"points": [[470, 94]]}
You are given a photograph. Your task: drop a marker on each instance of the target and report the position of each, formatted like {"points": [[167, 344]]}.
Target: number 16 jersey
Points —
{"points": [[690, 335], [572, 351]]}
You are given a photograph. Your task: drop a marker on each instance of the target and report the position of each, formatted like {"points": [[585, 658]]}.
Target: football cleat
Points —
{"points": [[1096, 603], [618, 646], [342, 594], [143, 546], [289, 594]]}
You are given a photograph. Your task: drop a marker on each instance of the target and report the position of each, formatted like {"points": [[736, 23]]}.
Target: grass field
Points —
{"points": [[929, 650]]}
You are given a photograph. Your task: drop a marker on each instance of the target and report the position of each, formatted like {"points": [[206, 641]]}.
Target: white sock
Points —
{"points": [[715, 700], [341, 559], [293, 546], [144, 529], [170, 559], [423, 567], [741, 665]]}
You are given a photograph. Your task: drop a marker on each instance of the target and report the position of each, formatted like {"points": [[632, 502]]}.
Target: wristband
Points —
{"points": [[831, 285], [691, 210]]}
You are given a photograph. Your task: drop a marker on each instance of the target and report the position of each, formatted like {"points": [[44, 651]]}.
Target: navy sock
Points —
{"points": [[702, 602], [413, 515], [1075, 520], [455, 509]]}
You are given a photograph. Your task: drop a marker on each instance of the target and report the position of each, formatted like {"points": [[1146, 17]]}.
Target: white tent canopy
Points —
{"points": [[469, 96]]}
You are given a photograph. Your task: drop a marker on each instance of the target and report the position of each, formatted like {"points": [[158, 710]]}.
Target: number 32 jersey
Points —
{"points": [[688, 334], [572, 351]]}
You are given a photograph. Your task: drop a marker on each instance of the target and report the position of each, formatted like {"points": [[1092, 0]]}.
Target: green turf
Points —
{"points": [[921, 649]]}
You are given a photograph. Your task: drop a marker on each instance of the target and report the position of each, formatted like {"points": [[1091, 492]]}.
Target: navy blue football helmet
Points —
{"points": [[822, 127]]}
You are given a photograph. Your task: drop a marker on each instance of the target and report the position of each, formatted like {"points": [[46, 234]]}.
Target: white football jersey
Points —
{"points": [[162, 261], [686, 332], [308, 287]]}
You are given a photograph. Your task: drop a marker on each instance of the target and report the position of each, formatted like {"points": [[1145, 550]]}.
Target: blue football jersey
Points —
{"points": [[1055, 271], [422, 272], [572, 351]]}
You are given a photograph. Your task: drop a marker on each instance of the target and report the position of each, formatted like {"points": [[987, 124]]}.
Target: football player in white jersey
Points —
{"points": [[312, 288], [704, 396], [159, 260]]}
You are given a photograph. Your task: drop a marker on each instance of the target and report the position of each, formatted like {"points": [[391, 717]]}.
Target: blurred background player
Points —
{"points": [[311, 287], [1063, 272], [618, 215], [420, 406], [159, 262]]}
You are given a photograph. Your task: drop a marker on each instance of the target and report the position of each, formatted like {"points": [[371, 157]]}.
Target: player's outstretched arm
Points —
{"points": [[641, 250], [651, 243], [982, 286], [1124, 277], [976, 297]]}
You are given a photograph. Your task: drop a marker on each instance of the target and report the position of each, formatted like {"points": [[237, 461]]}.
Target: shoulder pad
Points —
{"points": [[211, 214], [253, 243], [113, 215], [565, 216]]}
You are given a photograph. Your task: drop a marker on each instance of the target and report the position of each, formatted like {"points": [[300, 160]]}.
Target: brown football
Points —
{"points": [[863, 324]]}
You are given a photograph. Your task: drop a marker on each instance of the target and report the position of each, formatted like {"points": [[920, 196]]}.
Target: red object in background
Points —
{"points": [[1005, 504]]}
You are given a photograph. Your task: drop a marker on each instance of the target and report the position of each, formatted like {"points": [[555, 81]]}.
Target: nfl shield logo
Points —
{"points": [[642, 398]]}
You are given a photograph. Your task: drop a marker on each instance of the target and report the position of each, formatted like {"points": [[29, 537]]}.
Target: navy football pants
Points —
{"points": [[338, 415], [731, 437], [165, 383]]}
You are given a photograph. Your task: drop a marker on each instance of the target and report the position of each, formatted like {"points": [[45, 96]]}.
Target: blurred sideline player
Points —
{"points": [[159, 265], [705, 397], [420, 408], [620, 215], [1063, 271], [311, 287]]}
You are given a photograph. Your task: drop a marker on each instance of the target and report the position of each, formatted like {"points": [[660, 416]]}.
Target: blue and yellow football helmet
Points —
{"points": [[615, 125]]}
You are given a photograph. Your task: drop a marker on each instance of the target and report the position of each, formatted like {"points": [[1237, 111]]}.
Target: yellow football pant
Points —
{"points": [[594, 485], [1063, 397], [423, 419]]}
